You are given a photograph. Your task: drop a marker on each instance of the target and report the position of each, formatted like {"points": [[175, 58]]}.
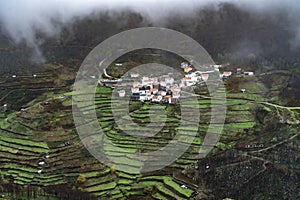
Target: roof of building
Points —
{"points": [[205, 75]]}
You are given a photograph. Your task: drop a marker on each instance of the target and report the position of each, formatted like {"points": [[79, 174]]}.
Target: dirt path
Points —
{"points": [[245, 99], [277, 144], [274, 72], [279, 106]]}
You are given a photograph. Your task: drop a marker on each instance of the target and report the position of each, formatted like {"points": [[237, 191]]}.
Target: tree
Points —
{"points": [[81, 179], [113, 169]]}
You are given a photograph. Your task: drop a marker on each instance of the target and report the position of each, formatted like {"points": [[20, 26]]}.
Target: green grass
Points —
{"points": [[159, 196], [117, 196], [9, 149], [103, 90], [25, 148], [102, 187], [92, 174], [241, 107], [99, 180], [95, 173], [124, 175], [125, 182], [165, 184], [20, 168], [223, 146], [5, 123], [21, 174], [45, 179], [241, 125], [167, 192], [24, 142], [232, 102], [129, 149], [198, 106], [67, 102], [125, 161], [24, 180], [254, 97], [185, 192]]}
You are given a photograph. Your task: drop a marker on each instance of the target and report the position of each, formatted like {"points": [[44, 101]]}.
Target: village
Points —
{"points": [[165, 88]]}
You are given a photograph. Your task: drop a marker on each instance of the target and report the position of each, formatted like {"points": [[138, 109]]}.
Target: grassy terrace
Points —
{"points": [[67, 162], [33, 144], [165, 186]]}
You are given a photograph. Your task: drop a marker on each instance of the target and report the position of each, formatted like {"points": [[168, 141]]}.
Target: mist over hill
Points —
{"points": [[231, 31], [43, 154]]}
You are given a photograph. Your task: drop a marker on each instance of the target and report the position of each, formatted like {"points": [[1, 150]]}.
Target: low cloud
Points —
{"points": [[21, 20]]}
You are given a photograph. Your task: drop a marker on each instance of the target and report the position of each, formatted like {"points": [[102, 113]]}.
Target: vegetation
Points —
{"points": [[255, 157]]}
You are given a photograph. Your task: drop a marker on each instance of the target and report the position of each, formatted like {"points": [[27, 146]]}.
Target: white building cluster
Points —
{"points": [[239, 72], [164, 88], [156, 89]]}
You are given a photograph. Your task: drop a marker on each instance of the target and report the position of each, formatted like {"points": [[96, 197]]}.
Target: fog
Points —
{"points": [[20, 20]]}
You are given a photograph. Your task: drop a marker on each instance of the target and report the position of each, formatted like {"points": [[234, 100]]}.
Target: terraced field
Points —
{"points": [[162, 186], [40, 147]]}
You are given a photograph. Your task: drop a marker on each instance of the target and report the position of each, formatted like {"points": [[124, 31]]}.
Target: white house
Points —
{"points": [[190, 83], [184, 186], [41, 163], [149, 97], [249, 73], [182, 85], [157, 98], [169, 80], [136, 84], [195, 78], [204, 77], [225, 74], [176, 90], [122, 93], [162, 93], [176, 95], [153, 91], [217, 67], [163, 83], [134, 75], [184, 65], [147, 82], [143, 92], [168, 98], [143, 97], [135, 90]]}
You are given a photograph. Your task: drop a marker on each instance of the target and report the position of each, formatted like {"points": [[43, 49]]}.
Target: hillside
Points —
{"points": [[256, 157], [258, 145]]}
